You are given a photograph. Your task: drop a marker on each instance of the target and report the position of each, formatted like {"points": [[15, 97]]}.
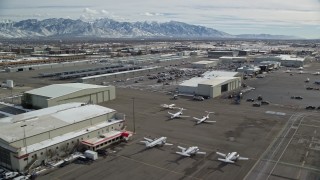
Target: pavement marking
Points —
{"points": [[310, 125], [158, 167], [296, 129], [293, 165], [276, 113]]}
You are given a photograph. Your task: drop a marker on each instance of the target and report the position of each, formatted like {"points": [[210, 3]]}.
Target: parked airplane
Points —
{"points": [[189, 151], [156, 142], [177, 114], [168, 106], [300, 68], [230, 157], [204, 118], [316, 73]]}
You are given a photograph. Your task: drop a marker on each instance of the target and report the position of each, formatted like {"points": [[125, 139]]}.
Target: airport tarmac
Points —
{"points": [[252, 131], [242, 128]]}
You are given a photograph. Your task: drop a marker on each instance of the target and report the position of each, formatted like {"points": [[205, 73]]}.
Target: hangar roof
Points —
{"points": [[218, 80], [43, 120], [193, 82], [57, 90]]}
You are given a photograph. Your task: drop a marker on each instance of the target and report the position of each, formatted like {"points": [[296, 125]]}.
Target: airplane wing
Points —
{"points": [[149, 140], [168, 144], [221, 154], [183, 154], [210, 121], [243, 158], [170, 113], [201, 152], [197, 119], [225, 160], [182, 148]]}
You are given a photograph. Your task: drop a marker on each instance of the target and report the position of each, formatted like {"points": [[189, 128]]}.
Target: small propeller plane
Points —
{"points": [[168, 106], [231, 157], [155, 142], [177, 114], [204, 119], [193, 150]]}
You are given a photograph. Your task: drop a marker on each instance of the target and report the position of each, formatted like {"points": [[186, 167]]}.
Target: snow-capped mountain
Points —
{"points": [[103, 28], [108, 28]]}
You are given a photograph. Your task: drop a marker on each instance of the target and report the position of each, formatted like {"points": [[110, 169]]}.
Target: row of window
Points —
{"points": [[72, 142]]}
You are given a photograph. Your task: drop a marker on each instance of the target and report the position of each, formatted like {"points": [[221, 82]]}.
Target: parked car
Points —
{"points": [[309, 88], [260, 98], [296, 97], [250, 100], [257, 104], [102, 152], [265, 102], [310, 107], [318, 108], [198, 98], [9, 175]]}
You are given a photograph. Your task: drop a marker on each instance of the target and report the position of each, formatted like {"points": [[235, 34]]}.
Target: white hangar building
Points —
{"points": [[211, 84], [56, 94], [36, 137]]}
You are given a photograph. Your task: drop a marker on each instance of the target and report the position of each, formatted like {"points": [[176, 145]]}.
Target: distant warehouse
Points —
{"points": [[65, 93], [38, 137]]}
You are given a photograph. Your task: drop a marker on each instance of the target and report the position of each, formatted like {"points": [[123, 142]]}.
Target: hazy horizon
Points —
{"points": [[299, 18]]}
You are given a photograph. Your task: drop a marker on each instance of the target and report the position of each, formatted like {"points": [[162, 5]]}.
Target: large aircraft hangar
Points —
{"points": [[40, 136], [211, 84], [65, 93]]}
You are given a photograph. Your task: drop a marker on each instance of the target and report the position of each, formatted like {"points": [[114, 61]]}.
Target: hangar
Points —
{"points": [[211, 84], [64, 93], [40, 136]]}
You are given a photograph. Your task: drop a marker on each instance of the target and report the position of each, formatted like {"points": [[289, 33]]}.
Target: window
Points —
{"points": [[41, 153], [57, 147], [67, 144], [88, 136]]}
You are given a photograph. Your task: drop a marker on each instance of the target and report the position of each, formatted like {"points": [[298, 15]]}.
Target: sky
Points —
{"points": [[278, 17]]}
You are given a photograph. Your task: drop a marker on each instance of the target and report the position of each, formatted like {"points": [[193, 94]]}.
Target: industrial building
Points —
{"points": [[230, 59], [218, 54], [56, 94], [204, 64], [124, 74], [211, 84], [38, 137], [285, 60]]}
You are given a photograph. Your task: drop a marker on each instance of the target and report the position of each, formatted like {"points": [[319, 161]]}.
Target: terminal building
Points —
{"points": [[211, 84], [218, 54], [56, 94], [37, 137]]}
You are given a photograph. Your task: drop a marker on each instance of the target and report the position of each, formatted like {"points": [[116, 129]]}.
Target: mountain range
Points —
{"points": [[108, 28]]}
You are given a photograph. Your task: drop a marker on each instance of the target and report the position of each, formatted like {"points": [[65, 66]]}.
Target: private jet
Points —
{"points": [[168, 106], [230, 157], [177, 114], [155, 142], [204, 119], [193, 150]]}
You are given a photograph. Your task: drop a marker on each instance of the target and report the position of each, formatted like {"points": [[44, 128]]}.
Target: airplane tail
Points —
{"points": [[225, 160]]}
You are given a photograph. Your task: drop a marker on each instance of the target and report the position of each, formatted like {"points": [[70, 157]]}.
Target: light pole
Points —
{"points": [[25, 141], [133, 117]]}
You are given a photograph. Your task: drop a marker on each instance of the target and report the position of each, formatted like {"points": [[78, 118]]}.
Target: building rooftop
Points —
{"points": [[47, 119], [193, 82], [285, 57], [57, 90], [218, 80], [203, 62]]}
